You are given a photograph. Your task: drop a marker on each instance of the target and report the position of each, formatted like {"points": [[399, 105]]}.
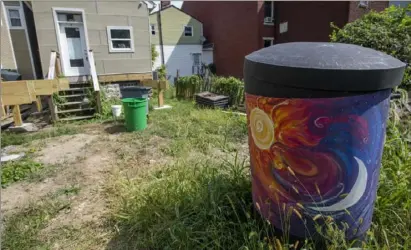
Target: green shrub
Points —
{"points": [[229, 86], [388, 31], [187, 86]]}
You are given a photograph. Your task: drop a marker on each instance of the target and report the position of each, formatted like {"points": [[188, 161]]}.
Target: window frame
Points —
{"points": [[272, 14], [184, 30], [199, 58], [271, 39], [22, 22], [110, 39], [153, 28], [363, 4]]}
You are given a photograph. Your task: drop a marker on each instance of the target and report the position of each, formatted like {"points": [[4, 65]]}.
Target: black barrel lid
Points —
{"points": [[321, 66]]}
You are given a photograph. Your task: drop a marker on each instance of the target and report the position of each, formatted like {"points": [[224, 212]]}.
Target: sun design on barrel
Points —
{"points": [[262, 128], [309, 155]]}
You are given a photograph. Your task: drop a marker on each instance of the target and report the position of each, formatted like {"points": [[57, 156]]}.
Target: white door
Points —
{"points": [[73, 49]]}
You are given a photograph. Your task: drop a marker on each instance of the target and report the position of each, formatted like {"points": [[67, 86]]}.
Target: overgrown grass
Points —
{"points": [[9, 138], [196, 129], [22, 229], [203, 204]]}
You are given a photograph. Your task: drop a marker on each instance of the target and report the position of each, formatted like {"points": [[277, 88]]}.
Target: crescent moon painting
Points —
{"points": [[316, 158], [355, 194]]}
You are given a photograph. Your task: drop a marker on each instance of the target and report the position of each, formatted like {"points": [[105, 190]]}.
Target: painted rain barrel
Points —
{"points": [[316, 116]]}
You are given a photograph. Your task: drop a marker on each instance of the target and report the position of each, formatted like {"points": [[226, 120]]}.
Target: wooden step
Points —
{"points": [[70, 96], [76, 89], [73, 118], [74, 110], [73, 103]]}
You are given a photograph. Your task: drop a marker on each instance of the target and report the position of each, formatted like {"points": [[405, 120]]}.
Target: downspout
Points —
{"points": [[160, 34]]}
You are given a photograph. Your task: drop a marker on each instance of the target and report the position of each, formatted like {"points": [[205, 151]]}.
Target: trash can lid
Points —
{"points": [[133, 100], [137, 88], [321, 66]]}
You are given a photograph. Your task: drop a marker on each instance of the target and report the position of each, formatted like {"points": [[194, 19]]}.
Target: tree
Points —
{"points": [[388, 31]]}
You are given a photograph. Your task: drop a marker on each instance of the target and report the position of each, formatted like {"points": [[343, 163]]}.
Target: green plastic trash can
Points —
{"points": [[135, 113]]}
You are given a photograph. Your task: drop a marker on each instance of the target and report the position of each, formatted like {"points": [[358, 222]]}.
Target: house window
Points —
{"points": [[196, 59], [268, 41], [120, 38], [69, 17], [14, 16], [188, 30], [363, 4], [268, 12], [153, 29]]}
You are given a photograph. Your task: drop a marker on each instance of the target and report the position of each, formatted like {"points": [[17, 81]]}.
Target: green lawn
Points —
{"points": [[201, 197]]}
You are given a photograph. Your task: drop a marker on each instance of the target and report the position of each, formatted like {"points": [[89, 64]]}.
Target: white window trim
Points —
{"points": [[272, 16], [153, 28], [271, 39], [22, 21], [184, 30], [120, 50]]}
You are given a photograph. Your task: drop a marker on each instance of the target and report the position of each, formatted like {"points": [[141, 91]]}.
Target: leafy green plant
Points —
{"points": [[106, 103], [388, 31], [18, 170], [58, 99], [162, 72], [154, 54]]}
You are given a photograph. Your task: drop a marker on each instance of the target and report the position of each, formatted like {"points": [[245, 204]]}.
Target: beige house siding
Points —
{"points": [[21, 47], [22, 54], [6, 49], [173, 21], [99, 15]]}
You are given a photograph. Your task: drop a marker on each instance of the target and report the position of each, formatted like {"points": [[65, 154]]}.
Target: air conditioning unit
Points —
{"points": [[268, 20]]}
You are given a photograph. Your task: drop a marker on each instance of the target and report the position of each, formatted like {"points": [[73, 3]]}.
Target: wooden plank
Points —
{"points": [[17, 116], [155, 84], [63, 84], [160, 96], [3, 113], [53, 108], [52, 65], [98, 101], [46, 87], [125, 77], [94, 78], [58, 65], [17, 92], [39, 106]]}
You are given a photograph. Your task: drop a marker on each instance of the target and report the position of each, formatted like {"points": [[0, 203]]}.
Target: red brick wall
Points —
{"points": [[309, 21], [232, 27], [356, 12]]}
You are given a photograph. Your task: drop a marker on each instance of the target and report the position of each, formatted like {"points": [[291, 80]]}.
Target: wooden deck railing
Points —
{"points": [[94, 78]]}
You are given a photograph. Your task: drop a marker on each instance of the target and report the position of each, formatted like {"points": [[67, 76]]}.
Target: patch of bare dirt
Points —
{"points": [[86, 161], [65, 149]]}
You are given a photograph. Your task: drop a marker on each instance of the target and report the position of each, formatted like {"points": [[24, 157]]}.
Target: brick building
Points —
{"points": [[239, 28]]}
